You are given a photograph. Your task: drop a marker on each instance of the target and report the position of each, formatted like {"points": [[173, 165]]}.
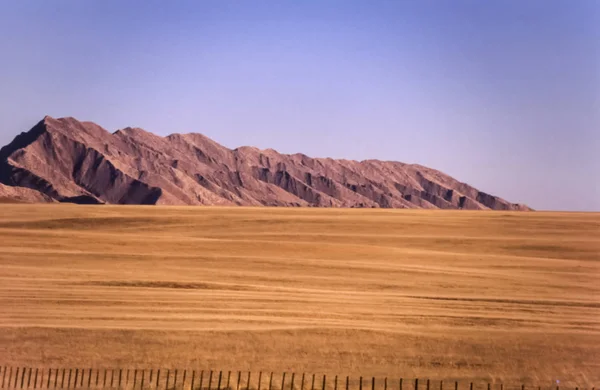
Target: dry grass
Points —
{"points": [[477, 296]]}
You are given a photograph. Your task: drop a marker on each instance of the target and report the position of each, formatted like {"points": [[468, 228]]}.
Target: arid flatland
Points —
{"points": [[468, 295]]}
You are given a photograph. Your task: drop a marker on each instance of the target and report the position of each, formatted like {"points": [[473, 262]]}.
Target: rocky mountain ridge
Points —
{"points": [[66, 160]]}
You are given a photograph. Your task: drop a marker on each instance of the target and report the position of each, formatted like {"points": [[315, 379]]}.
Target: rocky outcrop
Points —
{"points": [[67, 160]]}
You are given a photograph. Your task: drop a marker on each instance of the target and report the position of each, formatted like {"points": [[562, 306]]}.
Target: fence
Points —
{"points": [[174, 379]]}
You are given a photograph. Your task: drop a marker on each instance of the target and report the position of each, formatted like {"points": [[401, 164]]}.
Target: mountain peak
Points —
{"points": [[71, 161]]}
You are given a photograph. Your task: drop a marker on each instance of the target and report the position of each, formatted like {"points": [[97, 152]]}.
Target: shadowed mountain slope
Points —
{"points": [[71, 161]]}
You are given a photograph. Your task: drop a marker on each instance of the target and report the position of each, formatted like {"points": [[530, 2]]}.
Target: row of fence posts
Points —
{"points": [[27, 378]]}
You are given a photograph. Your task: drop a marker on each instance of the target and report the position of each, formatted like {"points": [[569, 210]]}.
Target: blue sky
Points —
{"points": [[504, 95]]}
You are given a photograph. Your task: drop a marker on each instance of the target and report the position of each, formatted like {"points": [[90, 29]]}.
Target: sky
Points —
{"points": [[503, 95]]}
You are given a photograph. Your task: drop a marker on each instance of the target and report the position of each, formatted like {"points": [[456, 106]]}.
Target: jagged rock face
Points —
{"points": [[70, 161]]}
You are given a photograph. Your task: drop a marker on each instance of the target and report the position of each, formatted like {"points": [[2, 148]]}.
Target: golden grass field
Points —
{"points": [[456, 295]]}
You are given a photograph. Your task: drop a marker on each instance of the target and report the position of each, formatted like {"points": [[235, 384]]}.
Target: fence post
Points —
{"points": [[201, 378], [385, 383], [56, 377], [301, 382], [168, 376], [427, 384], [259, 379], [143, 377], [248, 381], [347, 382], [456, 385], [400, 387], [373, 383], [360, 383], [210, 379], [157, 377], [120, 376], [312, 387], [112, 377], [283, 381], [324, 379], [23, 376], [219, 382], [335, 383], [228, 380], [183, 380], [271, 381], [471, 386], [76, 377], [35, 379], [291, 384], [240, 379], [193, 379], [416, 383], [29, 377]]}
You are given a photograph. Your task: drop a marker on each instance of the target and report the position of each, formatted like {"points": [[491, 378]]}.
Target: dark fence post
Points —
{"points": [[89, 378], [29, 378], [312, 387], [193, 379], [283, 381], [373, 383], [292, 383], [35, 379], [456, 385], [219, 383], [168, 377], [259, 379], [17, 377], [360, 383], [248, 381], [120, 376], [157, 377], [76, 377], [210, 379], [427, 384], [347, 382], [112, 377], [385, 383], [104, 383], [228, 380], [62, 381], [143, 377], [201, 378], [416, 383], [471, 387], [335, 383], [324, 379], [23, 376], [183, 379], [271, 381], [56, 378], [9, 378], [240, 380], [400, 387]]}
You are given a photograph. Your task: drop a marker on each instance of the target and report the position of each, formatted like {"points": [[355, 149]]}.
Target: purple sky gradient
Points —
{"points": [[504, 95]]}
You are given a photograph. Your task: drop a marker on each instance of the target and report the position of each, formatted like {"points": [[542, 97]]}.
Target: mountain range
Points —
{"points": [[66, 160]]}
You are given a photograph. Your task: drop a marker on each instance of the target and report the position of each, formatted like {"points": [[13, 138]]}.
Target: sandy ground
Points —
{"points": [[470, 296]]}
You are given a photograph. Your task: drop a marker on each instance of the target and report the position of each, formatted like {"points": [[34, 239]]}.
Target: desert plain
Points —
{"points": [[469, 296]]}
